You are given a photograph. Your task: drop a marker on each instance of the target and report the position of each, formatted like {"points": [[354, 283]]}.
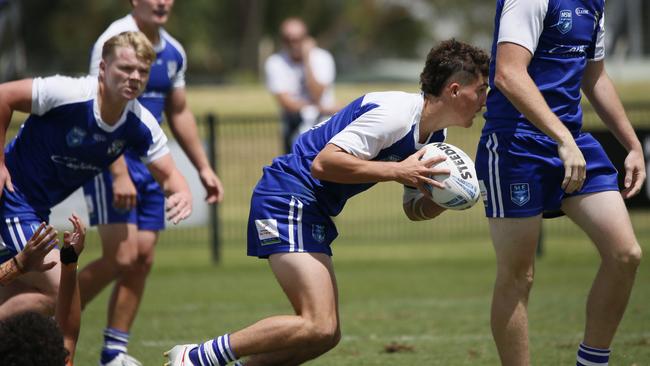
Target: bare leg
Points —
{"points": [[603, 216], [32, 291], [119, 251], [309, 282], [514, 242], [129, 288]]}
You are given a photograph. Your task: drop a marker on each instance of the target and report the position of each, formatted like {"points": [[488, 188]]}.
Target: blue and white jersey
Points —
{"points": [[167, 72], [562, 36], [382, 126], [64, 142]]}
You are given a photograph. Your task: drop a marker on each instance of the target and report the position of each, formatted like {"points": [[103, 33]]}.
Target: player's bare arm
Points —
{"points": [[600, 91], [179, 198], [68, 307], [14, 96], [124, 191], [336, 165], [419, 207], [513, 80], [183, 125]]}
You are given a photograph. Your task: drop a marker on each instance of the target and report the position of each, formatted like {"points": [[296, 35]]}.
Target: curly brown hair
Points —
{"points": [[31, 339], [452, 58]]}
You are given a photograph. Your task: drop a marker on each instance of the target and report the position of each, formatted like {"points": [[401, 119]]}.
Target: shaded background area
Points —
{"points": [[227, 40]]}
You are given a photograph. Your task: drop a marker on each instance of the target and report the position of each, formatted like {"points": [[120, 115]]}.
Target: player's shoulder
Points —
{"points": [[67, 89], [124, 24], [398, 100], [142, 115], [172, 43], [395, 106]]}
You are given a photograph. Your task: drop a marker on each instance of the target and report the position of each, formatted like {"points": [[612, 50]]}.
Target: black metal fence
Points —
{"points": [[241, 145]]}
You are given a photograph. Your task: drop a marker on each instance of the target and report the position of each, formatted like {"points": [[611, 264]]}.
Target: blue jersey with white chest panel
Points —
{"points": [[382, 126], [562, 36], [167, 72], [64, 142]]}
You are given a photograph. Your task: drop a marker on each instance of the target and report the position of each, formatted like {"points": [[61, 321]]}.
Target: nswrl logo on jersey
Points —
{"points": [[519, 193], [75, 137], [565, 22]]}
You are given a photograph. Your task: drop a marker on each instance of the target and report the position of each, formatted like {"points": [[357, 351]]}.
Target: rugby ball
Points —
{"points": [[461, 185]]}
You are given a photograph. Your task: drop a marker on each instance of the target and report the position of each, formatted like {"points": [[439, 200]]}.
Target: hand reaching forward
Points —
{"points": [[41, 243], [76, 239]]}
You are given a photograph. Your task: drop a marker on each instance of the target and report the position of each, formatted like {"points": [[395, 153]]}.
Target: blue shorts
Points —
{"points": [[149, 213], [286, 224], [521, 174], [19, 222]]}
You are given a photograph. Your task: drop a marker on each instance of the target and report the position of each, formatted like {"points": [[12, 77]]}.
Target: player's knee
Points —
{"points": [[520, 279], [628, 258], [125, 262], [324, 334]]}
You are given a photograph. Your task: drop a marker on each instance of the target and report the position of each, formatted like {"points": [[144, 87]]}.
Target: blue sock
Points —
{"points": [[215, 352], [589, 356], [115, 342]]}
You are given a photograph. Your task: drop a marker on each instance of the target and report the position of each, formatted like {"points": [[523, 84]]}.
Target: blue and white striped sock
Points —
{"points": [[213, 352], [115, 342], [590, 356]]}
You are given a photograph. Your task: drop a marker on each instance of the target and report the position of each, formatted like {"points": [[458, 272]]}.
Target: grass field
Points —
{"points": [[431, 298], [405, 299]]}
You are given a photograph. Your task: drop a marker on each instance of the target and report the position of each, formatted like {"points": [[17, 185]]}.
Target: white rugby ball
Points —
{"points": [[461, 185]]}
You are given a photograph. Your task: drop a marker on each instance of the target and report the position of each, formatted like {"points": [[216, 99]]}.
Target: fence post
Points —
{"points": [[215, 238]]}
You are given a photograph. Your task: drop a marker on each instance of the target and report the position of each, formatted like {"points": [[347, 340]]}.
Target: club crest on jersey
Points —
{"points": [[75, 137], [172, 67], [519, 193], [116, 148], [318, 232], [566, 21]]}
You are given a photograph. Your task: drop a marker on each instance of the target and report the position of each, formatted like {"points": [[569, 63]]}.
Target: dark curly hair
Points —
{"points": [[452, 58], [31, 339]]}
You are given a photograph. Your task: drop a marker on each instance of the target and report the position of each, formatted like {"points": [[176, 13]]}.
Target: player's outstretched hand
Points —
{"points": [[77, 238], [635, 174], [124, 192], [179, 206], [212, 184], [415, 172], [41, 243], [575, 167], [5, 179]]}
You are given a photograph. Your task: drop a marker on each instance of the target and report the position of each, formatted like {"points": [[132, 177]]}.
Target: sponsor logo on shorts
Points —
{"points": [[318, 232], [519, 193], [267, 231]]}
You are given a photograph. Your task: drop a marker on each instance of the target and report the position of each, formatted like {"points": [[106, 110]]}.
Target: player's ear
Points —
{"points": [[453, 88]]}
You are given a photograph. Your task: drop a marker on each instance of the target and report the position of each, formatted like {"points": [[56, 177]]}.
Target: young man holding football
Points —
{"points": [[534, 160], [376, 138]]}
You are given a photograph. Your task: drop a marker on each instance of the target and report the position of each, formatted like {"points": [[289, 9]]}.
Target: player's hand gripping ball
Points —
{"points": [[461, 186]]}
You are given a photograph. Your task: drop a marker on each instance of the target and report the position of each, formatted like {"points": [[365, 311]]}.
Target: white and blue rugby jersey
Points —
{"points": [[381, 126], [562, 35], [64, 142], [167, 72]]}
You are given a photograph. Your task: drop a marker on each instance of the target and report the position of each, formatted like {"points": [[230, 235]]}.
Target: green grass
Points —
{"points": [[426, 286], [431, 296]]}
